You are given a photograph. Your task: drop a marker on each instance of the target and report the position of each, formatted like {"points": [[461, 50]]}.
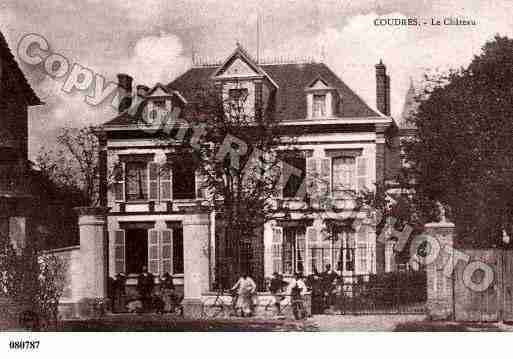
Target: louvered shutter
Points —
{"points": [[276, 174], [166, 183], [361, 173], [315, 252], [277, 249], [166, 251], [325, 175], [153, 181], [153, 251], [119, 251], [312, 174], [119, 182], [201, 186]]}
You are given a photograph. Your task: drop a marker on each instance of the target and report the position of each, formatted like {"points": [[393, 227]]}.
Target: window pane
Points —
{"points": [[184, 179], [343, 174], [177, 251], [295, 177], [319, 106], [136, 181], [288, 251], [238, 94]]}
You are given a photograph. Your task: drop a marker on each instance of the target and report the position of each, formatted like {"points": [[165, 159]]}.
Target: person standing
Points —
{"points": [[276, 287], [245, 288], [328, 279], [167, 290], [297, 288], [313, 282], [145, 285]]}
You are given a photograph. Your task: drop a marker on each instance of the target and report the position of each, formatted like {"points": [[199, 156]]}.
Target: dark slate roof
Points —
{"points": [[12, 80], [292, 80]]}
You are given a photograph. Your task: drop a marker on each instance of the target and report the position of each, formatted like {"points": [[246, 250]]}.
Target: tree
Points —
{"points": [[74, 165], [462, 154], [32, 279]]}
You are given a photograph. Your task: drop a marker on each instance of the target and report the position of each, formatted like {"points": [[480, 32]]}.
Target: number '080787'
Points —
{"points": [[24, 344]]}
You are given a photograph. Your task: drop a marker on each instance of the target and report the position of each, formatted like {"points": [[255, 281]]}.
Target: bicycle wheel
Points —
{"points": [[211, 310]]}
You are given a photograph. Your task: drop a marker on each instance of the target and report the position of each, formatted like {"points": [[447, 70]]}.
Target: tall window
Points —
{"points": [[136, 181], [184, 178], [296, 178], [178, 250], [343, 175], [319, 106], [294, 250]]}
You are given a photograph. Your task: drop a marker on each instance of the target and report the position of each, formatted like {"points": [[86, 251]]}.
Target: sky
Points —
{"points": [[154, 40]]}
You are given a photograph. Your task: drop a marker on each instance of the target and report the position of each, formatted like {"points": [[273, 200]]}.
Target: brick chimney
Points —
{"points": [[125, 92], [142, 90], [382, 89]]}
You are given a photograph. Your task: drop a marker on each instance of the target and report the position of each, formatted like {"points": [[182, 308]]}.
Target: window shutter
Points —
{"points": [[315, 258], [153, 181], [201, 187], [166, 249], [119, 251], [119, 182], [326, 176], [276, 171], [277, 249], [311, 175], [153, 251], [361, 173], [166, 183]]}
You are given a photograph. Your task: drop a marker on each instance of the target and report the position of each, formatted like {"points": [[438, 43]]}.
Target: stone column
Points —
{"points": [[92, 222], [196, 234], [440, 291]]}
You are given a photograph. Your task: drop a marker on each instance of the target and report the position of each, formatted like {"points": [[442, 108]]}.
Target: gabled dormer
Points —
{"points": [[159, 102], [322, 99], [242, 80]]}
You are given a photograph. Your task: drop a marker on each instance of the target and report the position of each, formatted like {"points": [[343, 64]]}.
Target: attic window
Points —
{"points": [[319, 106], [160, 103], [238, 94]]}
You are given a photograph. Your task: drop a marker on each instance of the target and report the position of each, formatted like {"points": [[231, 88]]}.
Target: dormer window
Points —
{"points": [[320, 98], [319, 106], [238, 94]]}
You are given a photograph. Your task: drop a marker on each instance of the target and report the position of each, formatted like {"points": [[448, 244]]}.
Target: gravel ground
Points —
{"points": [[329, 323], [157, 323]]}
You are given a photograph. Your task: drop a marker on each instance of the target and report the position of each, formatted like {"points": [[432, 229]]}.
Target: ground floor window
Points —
{"points": [[307, 250], [293, 253], [161, 251]]}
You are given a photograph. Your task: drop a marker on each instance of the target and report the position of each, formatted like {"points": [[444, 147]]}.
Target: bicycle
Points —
{"points": [[219, 307], [271, 304]]}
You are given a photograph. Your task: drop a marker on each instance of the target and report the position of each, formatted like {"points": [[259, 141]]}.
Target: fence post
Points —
{"points": [[440, 298]]}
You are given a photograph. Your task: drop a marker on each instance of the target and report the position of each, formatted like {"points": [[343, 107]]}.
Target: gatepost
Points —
{"points": [[440, 297]]}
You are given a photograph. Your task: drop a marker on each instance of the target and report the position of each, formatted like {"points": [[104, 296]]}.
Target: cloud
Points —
{"points": [[156, 59]]}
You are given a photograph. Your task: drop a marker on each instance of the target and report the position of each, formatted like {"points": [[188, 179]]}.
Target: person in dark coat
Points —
{"points": [[119, 297], [145, 285], [328, 278], [276, 288], [313, 282], [167, 291]]}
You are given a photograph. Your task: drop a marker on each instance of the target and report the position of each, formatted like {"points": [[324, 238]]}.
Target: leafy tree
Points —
{"points": [[32, 279], [462, 154]]}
